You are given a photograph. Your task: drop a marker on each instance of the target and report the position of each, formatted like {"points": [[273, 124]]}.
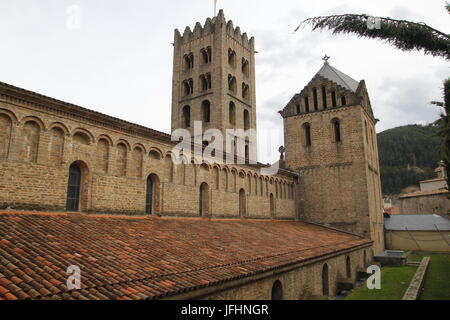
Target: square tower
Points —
{"points": [[331, 142], [214, 79]]}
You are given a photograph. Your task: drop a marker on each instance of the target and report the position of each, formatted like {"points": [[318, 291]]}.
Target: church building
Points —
{"points": [[85, 193]]}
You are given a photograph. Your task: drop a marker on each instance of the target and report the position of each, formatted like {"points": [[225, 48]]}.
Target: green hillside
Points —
{"points": [[408, 155]]}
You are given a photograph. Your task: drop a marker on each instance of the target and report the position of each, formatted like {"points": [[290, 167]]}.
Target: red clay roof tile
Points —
{"points": [[148, 257]]}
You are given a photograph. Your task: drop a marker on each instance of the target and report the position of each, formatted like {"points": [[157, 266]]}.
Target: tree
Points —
{"points": [[403, 35]]}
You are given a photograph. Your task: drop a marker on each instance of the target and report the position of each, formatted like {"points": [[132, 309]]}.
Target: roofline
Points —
{"points": [[89, 115], [207, 290]]}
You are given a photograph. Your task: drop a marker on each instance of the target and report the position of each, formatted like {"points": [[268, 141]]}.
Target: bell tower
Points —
{"points": [[214, 78], [331, 142]]}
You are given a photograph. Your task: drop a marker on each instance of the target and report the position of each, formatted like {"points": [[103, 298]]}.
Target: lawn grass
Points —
{"points": [[437, 281], [394, 283]]}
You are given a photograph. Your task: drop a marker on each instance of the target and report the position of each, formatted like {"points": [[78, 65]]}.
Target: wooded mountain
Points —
{"points": [[408, 154]]}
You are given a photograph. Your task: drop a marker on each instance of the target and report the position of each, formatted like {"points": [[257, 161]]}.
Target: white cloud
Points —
{"points": [[120, 61]]}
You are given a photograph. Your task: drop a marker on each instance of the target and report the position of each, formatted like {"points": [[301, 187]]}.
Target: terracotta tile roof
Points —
{"points": [[424, 193], [147, 257]]}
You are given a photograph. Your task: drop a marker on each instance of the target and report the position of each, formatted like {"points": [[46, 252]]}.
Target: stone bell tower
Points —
{"points": [[214, 78], [331, 142]]}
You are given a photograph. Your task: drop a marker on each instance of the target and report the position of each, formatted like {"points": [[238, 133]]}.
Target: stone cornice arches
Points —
{"points": [[10, 114]]}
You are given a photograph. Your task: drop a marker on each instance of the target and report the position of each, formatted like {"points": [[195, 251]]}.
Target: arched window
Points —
{"points": [[316, 100], [168, 168], [187, 116], [343, 101], [333, 98], [325, 281], [277, 291], [232, 113], [307, 133], [324, 98], [242, 204], [348, 267], [306, 104], [30, 144], [245, 90], [188, 87], [56, 146], [232, 84], [245, 67], [206, 55], [232, 58], [337, 129], [204, 200], [206, 111], [137, 158], [152, 194], [297, 109], [5, 135], [246, 120], [102, 156], [121, 160]]}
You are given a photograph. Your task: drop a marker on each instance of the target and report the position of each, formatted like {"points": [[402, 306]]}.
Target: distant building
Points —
{"points": [[433, 197], [418, 233]]}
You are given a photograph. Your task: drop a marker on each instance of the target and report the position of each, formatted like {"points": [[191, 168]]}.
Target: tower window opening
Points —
{"points": [[333, 98], [188, 87], [206, 111], [205, 81], [232, 58], [306, 104], [337, 130], [206, 55], [343, 101], [187, 116], [189, 61], [246, 120], [307, 129], [232, 86], [316, 101], [245, 67], [298, 109], [245, 90], [324, 97], [232, 113]]}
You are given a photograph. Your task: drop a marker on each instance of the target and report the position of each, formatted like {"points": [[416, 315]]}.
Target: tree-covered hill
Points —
{"points": [[408, 155]]}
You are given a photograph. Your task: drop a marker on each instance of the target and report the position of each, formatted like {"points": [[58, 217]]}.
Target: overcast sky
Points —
{"points": [[119, 60]]}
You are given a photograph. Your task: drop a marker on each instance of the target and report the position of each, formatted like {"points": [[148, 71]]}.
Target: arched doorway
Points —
{"points": [[277, 291], [74, 188], [204, 200], [152, 192], [325, 283], [242, 204], [272, 206]]}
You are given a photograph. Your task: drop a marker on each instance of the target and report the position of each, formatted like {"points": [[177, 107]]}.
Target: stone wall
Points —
{"points": [[303, 282], [433, 204], [41, 138]]}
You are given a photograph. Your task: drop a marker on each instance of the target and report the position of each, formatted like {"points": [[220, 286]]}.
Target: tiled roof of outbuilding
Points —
{"points": [[148, 257]]}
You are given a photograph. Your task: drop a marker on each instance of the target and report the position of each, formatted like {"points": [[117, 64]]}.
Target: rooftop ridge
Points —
{"points": [[338, 77]]}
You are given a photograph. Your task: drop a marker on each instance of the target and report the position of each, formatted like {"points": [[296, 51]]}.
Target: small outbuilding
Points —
{"points": [[417, 233]]}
